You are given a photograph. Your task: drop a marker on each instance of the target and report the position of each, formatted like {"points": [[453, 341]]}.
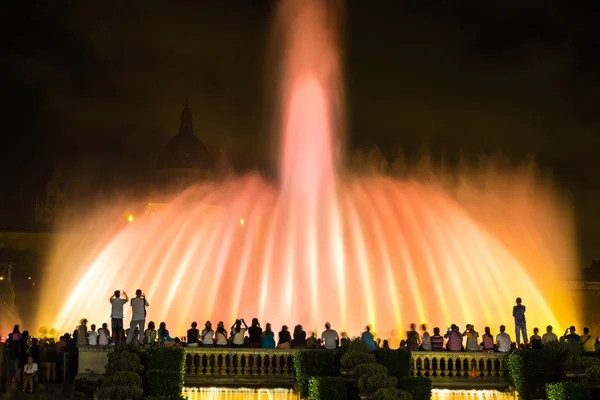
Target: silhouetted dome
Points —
{"points": [[185, 150]]}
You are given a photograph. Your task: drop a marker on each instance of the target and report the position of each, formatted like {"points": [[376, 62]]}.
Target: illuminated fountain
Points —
{"points": [[321, 245]]}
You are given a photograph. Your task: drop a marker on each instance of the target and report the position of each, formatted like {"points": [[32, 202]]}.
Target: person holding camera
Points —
{"points": [[116, 315], [472, 336], [238, 334], [138, 316], [454, 337]]}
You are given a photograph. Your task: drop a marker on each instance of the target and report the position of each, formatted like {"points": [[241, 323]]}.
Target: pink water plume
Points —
{"points": [[320, 244]]}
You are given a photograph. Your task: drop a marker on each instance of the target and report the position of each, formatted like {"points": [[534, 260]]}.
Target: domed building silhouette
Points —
{"points": [[184, 160]]}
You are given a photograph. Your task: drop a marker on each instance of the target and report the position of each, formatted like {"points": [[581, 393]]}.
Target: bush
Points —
{"points": [[164, 383], [352, 358], [398, 362], [593, 372], [581, 362], [357, 346], [391, 394], [562, 351], [418, 386], [124, 378], [123, 361], [530, 371], [120, 393], [166, 358], [306, 364], [327, 387], [368, 369], [370, 383], [568, 390], [132, 348]]}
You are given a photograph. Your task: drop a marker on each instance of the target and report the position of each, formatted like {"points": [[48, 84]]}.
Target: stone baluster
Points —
{"points": [[238, 364], [261, 367], [286, 363], [437, 372]]}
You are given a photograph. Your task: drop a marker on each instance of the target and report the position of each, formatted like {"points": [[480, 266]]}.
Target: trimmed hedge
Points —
{"points": [[568, 390], [327, 387], [309, 363], [120, 393], [398, 362], [368, 369], [123, 361], [165, 369], [530, 371], [124, 378], [122, 381], [371, 383], [166, 358], [352, 358], [391, 394], [581, 362], [357, 346], [418, 386]]}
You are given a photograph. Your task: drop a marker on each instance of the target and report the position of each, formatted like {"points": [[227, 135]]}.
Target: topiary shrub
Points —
{"points": [[166, 366], [166, 358], [391, 394], [164, 383], [530, 371], [122, 381], [309, 363], [357, 346], [368, 369], [398, 362], [352, 358], [581, 362], [418, 386], [371, 383], [327, 387], [562, 351], [568, 390], [592, 372]]}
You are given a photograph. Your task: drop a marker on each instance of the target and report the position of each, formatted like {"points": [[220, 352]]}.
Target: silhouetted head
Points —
{"points": [[268, 328], [586, 331], [93, 327], [25, 336], [298, 329], [255, 322], [284, 328], [518, 300], [16, 329], [413, 326], [83, 322], [29, 361], [208, 325], [194, 325], [368, 328], [424, 327], [138, 293], [536, 331], [487, 331], [162, 326], [117, 293], [105, 325], [549, 328], [436, 331], [502, 328], [572, 329], [327, 325], [151, 325]]}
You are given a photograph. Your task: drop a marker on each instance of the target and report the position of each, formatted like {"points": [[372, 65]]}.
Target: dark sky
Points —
{"points": [[98, 87]]}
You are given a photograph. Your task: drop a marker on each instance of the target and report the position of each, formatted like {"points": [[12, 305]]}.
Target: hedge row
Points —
{"points": [[164, 370]]}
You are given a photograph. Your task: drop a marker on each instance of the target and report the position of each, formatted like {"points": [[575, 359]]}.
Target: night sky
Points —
{"points": [[97, 88]]}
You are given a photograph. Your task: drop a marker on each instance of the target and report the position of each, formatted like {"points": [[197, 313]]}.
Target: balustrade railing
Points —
{"points": [[459, 366]]}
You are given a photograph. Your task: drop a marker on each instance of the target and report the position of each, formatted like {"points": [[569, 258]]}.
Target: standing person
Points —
{"points": [[520, 325], [138, 316], [13, 355], [330, 337], [116, 315]]}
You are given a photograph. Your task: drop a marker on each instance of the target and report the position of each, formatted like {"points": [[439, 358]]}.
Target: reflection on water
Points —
{"points": [[214, 393], [446, 394]]}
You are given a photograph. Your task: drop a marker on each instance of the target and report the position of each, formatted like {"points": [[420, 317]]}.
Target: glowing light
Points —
{"points": [[1, 278], [29, 277], [324, 245], [130, 218]]}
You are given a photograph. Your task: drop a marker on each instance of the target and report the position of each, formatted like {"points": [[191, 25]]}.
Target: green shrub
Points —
{"points": [[327, 387], [568, 390], [581, 362], [358, 346], [530, 371], [593, 372], [418, 386], [306, 364], [166, 358], [119, 393], [165, 383], [123, 361], [398, 362], [352, 358], [132, 348], [370, 383], [391, 394], [124, 378], [368, 369], [562, 351]]}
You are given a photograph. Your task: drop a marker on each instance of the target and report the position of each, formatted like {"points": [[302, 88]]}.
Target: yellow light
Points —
{"points": [[29, 278], [242, 222], [33, 283], [1, 278], [130, 218]]}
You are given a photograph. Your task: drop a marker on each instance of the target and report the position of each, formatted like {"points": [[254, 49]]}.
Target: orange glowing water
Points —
{"points": [[321, 245]]}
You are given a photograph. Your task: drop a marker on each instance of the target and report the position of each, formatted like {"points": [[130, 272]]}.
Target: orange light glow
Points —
{"points": [[324, 245], [130, 218]]}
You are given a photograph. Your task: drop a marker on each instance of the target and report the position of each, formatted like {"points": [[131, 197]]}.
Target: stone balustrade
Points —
{"points": [[273, 368]]}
